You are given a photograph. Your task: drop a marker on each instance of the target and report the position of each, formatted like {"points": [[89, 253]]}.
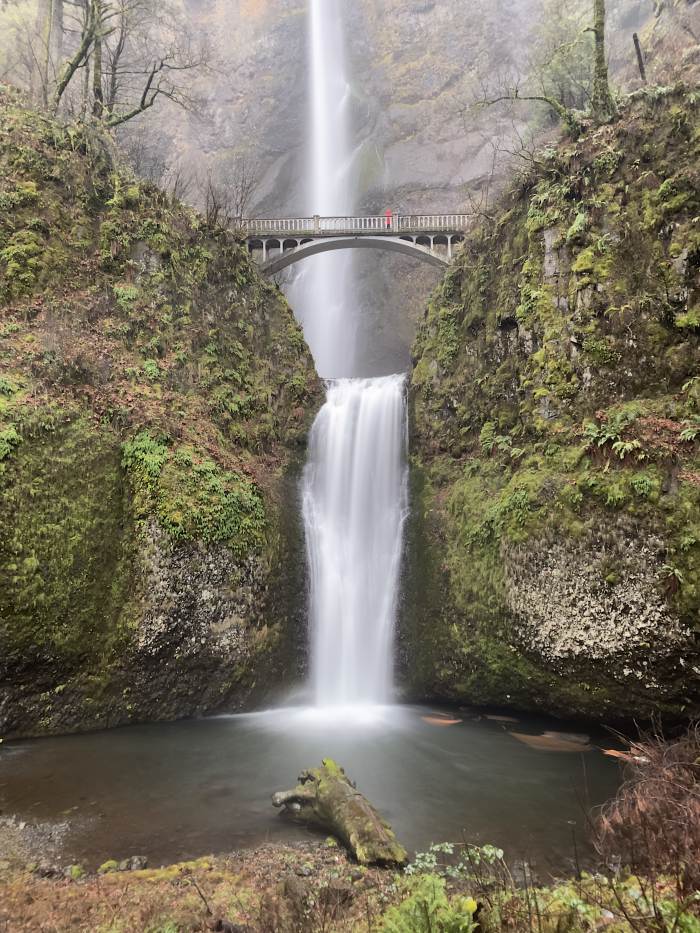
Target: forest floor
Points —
{"points": [[315, 888], [308, 886]]}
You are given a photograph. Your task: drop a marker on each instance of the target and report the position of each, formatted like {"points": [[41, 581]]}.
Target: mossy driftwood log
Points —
{"points": [[327, 798]]}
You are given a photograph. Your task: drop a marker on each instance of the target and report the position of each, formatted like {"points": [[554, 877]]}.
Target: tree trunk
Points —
{"points": [[79, 57], [97, 92], [326, 798], [113, 67], [602, 103], [640, 57], [50, 30]]}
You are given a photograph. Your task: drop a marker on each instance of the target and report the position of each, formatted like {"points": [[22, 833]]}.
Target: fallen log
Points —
{"points": [[325, 797]]}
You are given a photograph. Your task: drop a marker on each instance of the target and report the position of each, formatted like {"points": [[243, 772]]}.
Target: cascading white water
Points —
{"points": [[321, 293], [355, 487], [354, 502]]}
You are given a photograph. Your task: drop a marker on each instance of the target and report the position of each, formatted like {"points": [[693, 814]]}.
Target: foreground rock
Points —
{"points": [[326, 797]]}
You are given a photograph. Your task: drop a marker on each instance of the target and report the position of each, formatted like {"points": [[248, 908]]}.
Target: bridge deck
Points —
{"points": [[378, 225]]}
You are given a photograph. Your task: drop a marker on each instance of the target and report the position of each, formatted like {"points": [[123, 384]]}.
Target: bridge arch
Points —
{"points": [[284, 259]]}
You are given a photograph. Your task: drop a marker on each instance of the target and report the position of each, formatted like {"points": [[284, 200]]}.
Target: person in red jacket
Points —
{"points": [[389, 219]]}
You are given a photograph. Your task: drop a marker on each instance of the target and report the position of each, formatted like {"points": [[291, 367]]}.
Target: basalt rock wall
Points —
{"points": [[155, 397], [554, 551]]}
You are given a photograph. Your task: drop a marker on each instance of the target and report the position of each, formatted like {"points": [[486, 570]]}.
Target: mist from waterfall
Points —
{"points": [[355, 481]]}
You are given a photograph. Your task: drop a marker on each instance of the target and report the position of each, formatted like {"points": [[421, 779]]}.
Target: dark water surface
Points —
{"points": [[179, 790]]}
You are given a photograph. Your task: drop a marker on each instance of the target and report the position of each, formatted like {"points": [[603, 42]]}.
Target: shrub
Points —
{"points": [[427, 909], [653, 824]]}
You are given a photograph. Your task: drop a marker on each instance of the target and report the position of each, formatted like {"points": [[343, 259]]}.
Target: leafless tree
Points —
{"points": [[513, 152], [561, 53], [144, 152], [149, 57], [94, 24], [509, 89], [216, 202], [228, 191], [243, 180], [480, 196], [31, 42], [133, 54], [179, 182], [50, 33]]}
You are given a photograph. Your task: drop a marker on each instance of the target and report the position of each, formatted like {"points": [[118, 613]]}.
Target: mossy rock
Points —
{"points": [[558, 411], [155, 394]]}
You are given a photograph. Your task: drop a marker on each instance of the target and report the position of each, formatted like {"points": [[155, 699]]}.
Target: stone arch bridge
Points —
{"points": [[277, 244]]}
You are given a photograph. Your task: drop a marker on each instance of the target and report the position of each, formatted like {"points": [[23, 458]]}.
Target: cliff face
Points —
{"points": [[556, 424], [672, 38], [415, 68], [155, 394]]}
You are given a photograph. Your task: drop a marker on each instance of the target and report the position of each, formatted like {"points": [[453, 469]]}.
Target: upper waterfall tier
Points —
{"points": [[321, 294]]}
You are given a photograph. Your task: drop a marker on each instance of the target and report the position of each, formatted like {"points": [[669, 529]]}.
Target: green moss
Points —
{"points": [[24, 258], [63, 553], [148, 373], [592, 265], [192, 498], [602, 351], [447, 340], [690, 319], [578, 228]]}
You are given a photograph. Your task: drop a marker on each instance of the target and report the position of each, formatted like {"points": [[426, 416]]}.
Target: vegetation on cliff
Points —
{"points": [[153, 390], [556, 420]]}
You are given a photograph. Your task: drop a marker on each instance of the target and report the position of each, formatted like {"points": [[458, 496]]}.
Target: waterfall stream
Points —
{"points": [[354, 508], [354, 487], [321, 294]]}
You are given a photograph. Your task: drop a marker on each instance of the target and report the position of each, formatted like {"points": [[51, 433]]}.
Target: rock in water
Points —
{"points": [[327, 798]]}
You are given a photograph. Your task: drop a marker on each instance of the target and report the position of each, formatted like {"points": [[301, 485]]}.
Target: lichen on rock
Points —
{"points": [[592, 598]]}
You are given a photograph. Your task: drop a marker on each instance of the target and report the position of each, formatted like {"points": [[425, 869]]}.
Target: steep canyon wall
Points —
{"points": [[416, 68]]}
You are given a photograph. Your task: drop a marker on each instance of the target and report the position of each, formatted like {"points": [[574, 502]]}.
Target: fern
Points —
{"points": [[625, 448], [690, 431]]}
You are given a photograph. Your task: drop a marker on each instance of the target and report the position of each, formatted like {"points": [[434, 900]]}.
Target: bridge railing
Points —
{"points": [[334, 226]]}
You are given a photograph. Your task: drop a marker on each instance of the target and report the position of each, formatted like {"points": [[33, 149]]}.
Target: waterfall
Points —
{"points": [[354, 504], [354, 485], [321, 293]]}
